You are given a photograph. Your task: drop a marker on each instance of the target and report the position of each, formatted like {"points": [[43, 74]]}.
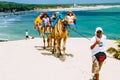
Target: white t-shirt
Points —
{"points": [[99, 47], [26, 33], [45, 20], [70, 19]]}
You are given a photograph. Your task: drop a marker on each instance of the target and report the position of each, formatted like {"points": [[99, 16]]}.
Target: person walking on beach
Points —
{"points": [[71, 20], [97, 45], [27, 34]]}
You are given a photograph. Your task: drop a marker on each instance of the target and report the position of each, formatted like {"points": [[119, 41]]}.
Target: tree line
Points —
{"points": [[12, 6]]}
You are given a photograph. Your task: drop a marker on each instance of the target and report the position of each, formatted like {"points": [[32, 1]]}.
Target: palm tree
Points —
{"points": [[114, 51]]}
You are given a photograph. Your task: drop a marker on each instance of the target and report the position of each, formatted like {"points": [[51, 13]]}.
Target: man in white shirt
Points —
{"points": [[97, 45]]}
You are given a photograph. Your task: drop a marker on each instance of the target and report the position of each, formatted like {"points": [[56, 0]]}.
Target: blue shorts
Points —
{"points": [[72, 25], [44, 24]]}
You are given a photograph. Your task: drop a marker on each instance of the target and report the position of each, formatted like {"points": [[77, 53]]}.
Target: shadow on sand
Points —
{"points": [[42, 48], [62, 57]]}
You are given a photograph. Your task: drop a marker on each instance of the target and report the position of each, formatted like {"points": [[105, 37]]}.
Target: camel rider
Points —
{"points": [[45, 21], [71, 20], [56, 18], [37, 22]]}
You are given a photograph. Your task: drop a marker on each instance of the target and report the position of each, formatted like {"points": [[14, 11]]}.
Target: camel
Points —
{"points": [[39, 27], [59, 32]]}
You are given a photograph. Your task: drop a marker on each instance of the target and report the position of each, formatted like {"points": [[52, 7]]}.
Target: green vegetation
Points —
{"points": [[114, 51], [11, 6]]}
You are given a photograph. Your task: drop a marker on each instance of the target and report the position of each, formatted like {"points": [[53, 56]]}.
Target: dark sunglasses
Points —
{"points": [[99, 31]]}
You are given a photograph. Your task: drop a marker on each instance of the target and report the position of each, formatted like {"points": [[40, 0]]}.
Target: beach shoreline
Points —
{"points": [[95, 7]]}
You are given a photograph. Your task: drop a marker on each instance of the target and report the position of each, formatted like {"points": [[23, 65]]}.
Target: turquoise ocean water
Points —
{"points": [[12, 27]]}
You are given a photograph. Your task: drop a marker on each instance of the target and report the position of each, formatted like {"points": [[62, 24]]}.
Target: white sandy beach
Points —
{"points": [[79, 8], [27, 60]]}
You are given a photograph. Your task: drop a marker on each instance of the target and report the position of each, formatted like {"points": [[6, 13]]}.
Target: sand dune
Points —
{"points": [[27, 60]]}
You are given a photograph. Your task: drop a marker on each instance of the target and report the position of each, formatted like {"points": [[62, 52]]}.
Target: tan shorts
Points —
{"points": [[95, 65]]}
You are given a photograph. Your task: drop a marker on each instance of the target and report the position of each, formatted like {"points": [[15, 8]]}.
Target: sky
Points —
{"points": [[62, 1]]}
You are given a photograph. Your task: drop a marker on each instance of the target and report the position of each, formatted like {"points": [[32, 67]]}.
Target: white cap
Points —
{"points": [[98, 29]]}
